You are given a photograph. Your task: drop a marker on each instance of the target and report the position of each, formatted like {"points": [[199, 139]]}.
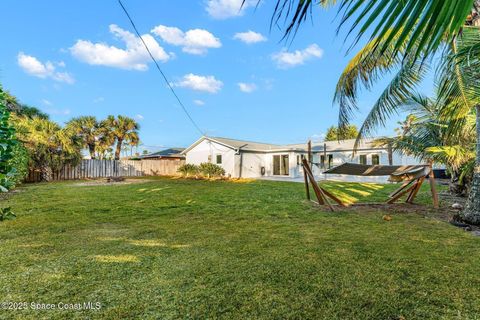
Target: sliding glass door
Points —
{"points": [[280, 165]]}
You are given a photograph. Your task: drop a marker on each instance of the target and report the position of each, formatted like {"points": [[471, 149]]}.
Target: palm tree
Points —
{"points": [[87, 129], [123, 129], [49, 146], [425, 135], [405, 35]]}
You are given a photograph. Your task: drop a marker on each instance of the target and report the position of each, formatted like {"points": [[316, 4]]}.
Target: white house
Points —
{"points": [[247, 159]]}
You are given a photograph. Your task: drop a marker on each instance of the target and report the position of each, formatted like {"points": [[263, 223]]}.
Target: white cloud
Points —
{"points": [[285, 59], [247, 87], [98, 99], [200, 83], [223, 9], [36, 68], [199, 102], [249, 37], [46, 102], [133, 57], [194, 41], [139, 117]]}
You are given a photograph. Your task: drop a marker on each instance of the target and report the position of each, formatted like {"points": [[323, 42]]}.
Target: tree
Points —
{"points": [[349, 132], [13, 105], [8, 143], [405, 35], [87, 129], [49, 146], [123, 129], [425, 135]]}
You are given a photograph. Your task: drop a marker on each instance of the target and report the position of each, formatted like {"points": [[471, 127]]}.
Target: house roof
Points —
{"points": [[167, 153], [244, 145], [343, 145]]}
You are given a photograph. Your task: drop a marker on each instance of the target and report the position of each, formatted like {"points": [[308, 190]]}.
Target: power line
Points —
{"points": [[161, 72]]}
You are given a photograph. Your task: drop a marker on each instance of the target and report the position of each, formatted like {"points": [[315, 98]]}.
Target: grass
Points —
{"points": [[167, 249]]}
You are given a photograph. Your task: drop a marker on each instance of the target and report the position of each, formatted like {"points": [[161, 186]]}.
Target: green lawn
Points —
{"points": [[166, 249]]}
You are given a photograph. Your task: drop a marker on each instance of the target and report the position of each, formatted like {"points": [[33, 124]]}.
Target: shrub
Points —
{"points": [[7, 146], [211, 170], [7, 214], [20, 163], [188, 169]]}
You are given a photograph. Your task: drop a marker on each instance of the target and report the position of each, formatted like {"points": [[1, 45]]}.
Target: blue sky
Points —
{"points": [[72, 58]]}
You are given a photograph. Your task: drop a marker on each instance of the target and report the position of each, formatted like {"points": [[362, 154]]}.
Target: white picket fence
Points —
{"points": [[93, 168]]}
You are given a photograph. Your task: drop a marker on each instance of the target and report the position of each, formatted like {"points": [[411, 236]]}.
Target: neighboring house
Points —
{"points": [[167, 154], [247, 159]]}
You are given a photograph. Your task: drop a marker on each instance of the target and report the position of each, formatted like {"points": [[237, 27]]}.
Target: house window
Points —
{"points": [[363, 159], [375, 159], [330, 160], [322, 161], [219, 159]]}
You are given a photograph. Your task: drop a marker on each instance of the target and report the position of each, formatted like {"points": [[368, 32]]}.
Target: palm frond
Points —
{"points": [[419, 26], [391, 100]]}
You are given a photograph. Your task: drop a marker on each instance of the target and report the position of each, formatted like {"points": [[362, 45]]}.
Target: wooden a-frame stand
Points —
{"points": [[411, 187], [320, 192]]}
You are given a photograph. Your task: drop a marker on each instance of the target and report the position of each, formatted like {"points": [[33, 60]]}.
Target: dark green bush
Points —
{"points": [[188, 170], [8, 143], [211, 170]]}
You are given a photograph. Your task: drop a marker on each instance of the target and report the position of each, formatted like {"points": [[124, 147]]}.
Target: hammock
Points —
{"points": [[396, 173], [412, 177]]}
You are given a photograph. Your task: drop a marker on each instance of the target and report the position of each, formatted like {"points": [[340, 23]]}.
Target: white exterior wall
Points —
{"points": [[206, 151], [252, 162]]}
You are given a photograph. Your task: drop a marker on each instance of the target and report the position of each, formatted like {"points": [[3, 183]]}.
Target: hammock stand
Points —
{"points": [[412, 178]]}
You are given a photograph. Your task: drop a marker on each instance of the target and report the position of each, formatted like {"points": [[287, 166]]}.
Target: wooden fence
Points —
{"points": [[112, 168]]}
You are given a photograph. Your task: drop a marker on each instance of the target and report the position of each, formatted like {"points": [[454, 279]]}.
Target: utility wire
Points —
{"points": [[161, 72]]}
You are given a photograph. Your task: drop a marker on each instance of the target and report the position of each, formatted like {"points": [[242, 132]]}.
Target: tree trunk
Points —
{"points": [[118, 149], [45, 173], [91, 149], [471, 213]]}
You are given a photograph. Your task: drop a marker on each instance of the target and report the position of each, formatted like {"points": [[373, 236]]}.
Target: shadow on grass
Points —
{"points": [[358, 192]]}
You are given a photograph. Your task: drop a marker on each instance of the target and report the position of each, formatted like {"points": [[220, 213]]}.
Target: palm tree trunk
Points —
{"points": [[471, 214], [91, 149], [45, 173], [118, 149]]}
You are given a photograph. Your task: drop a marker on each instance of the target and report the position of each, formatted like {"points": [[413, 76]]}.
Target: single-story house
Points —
{"points": [[247, 159], [167, 154]]}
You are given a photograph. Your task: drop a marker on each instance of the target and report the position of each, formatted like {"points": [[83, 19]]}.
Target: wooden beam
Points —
{"points": [[322, 199], [404, 184], [307, 189], [334, 198], [400, 194], [415, 185], [433, 187], [309, 147], [414, 192], [316, 189]]}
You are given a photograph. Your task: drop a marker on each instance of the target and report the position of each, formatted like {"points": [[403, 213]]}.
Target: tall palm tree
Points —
{"points": [[404, 35], [123, 129], [87, 129]]}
